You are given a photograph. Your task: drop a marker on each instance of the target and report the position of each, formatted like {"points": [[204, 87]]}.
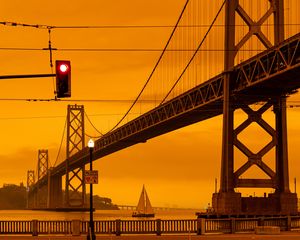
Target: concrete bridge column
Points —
{"points": [[30, 194], [287, 201], [31, 199], [55, 196]]}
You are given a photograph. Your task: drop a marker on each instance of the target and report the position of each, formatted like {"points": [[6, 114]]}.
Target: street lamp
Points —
{"points": [[91, 233]]}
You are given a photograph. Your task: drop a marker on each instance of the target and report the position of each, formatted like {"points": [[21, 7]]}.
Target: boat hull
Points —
{"points": [[143, 215]]}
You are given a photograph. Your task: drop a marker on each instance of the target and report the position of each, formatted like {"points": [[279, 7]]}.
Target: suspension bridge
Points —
{"points": [[255, 51]]}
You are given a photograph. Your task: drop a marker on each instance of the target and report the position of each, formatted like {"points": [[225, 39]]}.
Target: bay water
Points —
{"points": [[13, 215]]}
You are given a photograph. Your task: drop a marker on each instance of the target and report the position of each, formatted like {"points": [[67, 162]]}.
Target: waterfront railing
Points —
{"points": [[157, 226]]}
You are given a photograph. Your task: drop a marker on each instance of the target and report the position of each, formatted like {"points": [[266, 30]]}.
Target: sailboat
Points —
{"points": [[144, 208]]}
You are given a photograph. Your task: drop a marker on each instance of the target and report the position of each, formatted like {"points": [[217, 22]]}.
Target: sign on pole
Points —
{"points": [[91, 177]]}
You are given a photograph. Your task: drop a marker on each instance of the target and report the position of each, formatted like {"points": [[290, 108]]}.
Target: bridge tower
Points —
{"points": [[30, 178], [227, 201], [42, 169], [43, 163], [75, 187], [30, 195]]}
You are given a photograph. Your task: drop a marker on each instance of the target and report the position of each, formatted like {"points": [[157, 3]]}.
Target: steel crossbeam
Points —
{"points": [[255, 158]]}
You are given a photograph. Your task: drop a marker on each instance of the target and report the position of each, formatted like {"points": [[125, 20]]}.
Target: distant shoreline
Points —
{"points": [[14, 197]]}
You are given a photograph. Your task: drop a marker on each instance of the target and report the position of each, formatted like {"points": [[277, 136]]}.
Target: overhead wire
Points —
{"points": [[61, 116], [290, 104], [51, 60], [119, 49], [45, 26], [78, 100]]}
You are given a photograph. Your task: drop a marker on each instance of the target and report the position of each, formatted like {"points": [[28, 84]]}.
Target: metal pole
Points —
{"points": [[28, 76], [91, 233]]}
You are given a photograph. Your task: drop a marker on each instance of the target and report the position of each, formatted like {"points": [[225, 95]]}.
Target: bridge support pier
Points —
{"points": [[31, 195], [227, 201], [43, 170], [282, 201], [55, 193]]}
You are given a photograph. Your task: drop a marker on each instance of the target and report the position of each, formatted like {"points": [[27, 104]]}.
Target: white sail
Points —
{"points": [[144, 205], [149, 208], [141, 204]]}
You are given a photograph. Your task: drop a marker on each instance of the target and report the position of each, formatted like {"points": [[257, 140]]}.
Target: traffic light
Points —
{"points": [[63, 78]]}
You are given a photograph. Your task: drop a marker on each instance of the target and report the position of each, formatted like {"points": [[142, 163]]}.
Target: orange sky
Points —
{"points": [[178, 168]]}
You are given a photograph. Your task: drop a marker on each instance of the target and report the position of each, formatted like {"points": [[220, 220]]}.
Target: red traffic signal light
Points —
{"points": [[63, 78]]}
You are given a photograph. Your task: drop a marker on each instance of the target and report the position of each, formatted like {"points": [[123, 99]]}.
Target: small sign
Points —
{"points": [[91, 177]]}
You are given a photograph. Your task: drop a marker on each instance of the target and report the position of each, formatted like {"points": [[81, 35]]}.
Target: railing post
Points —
{"points": [[288, 223], [158, 227], [118, 227], [200, 226], [34, 227], [261, 222], [232, 225], [76, 229]]}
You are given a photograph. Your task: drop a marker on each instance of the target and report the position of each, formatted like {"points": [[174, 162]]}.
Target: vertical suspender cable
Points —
{"points": [[151, 74]]}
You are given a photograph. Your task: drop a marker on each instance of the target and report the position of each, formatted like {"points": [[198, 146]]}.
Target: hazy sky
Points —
{"points": [[178, 169]]}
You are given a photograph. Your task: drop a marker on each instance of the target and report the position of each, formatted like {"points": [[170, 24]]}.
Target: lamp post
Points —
{"points": [[91, 233]]}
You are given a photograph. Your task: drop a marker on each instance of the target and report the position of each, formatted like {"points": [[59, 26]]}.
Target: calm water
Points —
{"points": [[98, 215]]}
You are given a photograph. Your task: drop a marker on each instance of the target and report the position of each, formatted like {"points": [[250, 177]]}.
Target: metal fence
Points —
{"points": [[158, 226]]}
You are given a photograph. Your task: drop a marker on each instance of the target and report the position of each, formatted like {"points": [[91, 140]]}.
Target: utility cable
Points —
{"points": [[192, 58], [290, 104], [77, 100], [123, 49], [15, 24], [50, 117], [44, 26], [50, 60]]}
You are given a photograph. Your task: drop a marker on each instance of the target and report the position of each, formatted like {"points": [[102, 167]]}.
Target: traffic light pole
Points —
{"points": [[62, 74], [28, 76]]}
